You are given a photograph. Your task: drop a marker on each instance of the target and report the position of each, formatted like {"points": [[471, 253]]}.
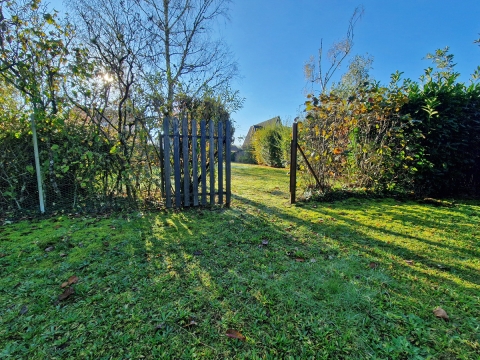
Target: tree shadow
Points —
{"points": [[268, 272], [352, 227]]}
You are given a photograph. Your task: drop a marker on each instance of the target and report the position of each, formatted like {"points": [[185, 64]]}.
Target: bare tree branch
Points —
{"points": [[336, 55]]}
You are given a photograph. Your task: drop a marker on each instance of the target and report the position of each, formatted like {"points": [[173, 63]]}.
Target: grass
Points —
{"points": [[347, 279]]}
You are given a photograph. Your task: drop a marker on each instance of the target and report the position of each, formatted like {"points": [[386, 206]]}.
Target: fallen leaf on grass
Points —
{"points": [[71, 280], [299, 259], [440, 313], [409, 262], [234, 334], [373, 265], [68, 291]]}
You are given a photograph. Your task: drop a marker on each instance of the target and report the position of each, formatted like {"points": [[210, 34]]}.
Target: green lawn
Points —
{"points": [[349, 279]]}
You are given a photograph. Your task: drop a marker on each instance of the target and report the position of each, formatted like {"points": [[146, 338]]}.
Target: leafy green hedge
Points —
{"points": [[421, 138], [448, 117], [270, 145]]}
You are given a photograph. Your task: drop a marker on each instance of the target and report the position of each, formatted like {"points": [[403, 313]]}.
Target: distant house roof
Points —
{"points": [[248, 139]]}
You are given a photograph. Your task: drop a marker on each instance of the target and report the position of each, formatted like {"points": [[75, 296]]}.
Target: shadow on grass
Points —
{"points": [[306, 274], [427, 256], [169, 285]]}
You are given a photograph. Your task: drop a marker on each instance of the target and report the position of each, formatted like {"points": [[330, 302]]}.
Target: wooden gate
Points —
{"points": [[195, 165]]}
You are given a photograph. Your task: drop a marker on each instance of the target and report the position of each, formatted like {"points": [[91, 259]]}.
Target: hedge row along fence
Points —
{"points": [[87, 167], [423, 139]]}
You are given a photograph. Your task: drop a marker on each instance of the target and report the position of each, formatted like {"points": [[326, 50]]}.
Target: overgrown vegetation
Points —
{"points": [[358, 278], [97, 86], [420, 138], [354, 141]]}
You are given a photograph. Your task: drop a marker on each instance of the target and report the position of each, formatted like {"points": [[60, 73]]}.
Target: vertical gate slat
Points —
{"points": [[228, 159], [186, 170], [176, 163], [220, 162], [166, 142], [203, 160], [212, 162], [194, 163]]}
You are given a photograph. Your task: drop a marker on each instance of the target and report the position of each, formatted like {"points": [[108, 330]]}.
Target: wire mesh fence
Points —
{"points": [[83, 171], [69, 184]]}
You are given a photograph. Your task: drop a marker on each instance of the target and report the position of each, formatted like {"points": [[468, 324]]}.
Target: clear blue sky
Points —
{"points": [[272, 40]]}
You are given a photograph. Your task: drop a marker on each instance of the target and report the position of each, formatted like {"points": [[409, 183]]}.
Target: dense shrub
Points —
{"points": [[447, 114], [357, 142], [16, 151], [270, 145], [80, 165], [17, 179], [421, 138]]}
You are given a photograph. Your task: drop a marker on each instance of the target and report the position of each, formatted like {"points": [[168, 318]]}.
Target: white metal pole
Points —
{"points": [[37, 164]]}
